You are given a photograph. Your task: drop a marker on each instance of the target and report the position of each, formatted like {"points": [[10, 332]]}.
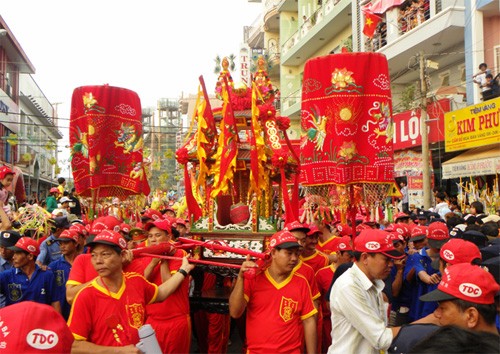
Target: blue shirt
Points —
{"points": [[418, 309], [49, 251], [4, 265], [61, 269], [16, 286]]}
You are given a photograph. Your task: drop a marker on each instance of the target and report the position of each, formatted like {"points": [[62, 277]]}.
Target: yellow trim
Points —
{"points": [[73, 282], [276, 284], [297, 266], [312, 313], [78, 337], [321, 244], [310, 257], [105, 291], [70, 318], [246, 297]]}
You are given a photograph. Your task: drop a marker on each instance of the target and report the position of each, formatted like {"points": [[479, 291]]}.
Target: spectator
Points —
{"points": [[480, 77], [109, 312], [51, 201], [8, 239], [61, 187], [75, 206], [70, 248], [288, 308], [49, 248], [466, 297], [26, 281], [359, 316]]}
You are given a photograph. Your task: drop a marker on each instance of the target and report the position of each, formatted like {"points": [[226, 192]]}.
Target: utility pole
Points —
{"points": [[426, 175]]}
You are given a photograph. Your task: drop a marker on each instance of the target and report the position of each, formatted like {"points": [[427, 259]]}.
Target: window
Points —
{"points": [[496, 59], [444, 78], [463, 77]]}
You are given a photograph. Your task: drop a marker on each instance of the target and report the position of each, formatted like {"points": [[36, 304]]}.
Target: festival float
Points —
{"points": [[238, 168]]}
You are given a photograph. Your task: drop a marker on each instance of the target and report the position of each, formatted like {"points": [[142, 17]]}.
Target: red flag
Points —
{"points": [[371, 23]]}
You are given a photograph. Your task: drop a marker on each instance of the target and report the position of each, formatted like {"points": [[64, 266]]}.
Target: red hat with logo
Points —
{"points": [[401, 215], [105, 223], [151, 214], [80, 229], [402, 229], [459, 251], [376, 241], [162, 224], [125, 227], [437, 234], [344, 229], [362, 227], [283, 239], [313, 229], [397, 237], [54, 190], [344, 244], [466, 282], [418, 233], [31, 327], [180, 221], [68, 235], [296, 226], [110, 238], [4, 171], [26, 244]]}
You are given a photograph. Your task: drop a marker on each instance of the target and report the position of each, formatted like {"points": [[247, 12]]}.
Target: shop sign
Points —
{"points": [[409, 163], [407, 125], [473, 126]]}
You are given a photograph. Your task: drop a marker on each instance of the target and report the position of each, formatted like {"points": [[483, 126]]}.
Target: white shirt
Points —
{"points": [[359, 316]]}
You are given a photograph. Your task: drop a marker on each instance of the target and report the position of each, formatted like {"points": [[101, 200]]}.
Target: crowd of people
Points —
{"points": [[327, 287], [487, 82]]}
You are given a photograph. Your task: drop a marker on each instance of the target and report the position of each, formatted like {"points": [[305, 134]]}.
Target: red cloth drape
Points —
{"points": [[346, 120], [106, 142]]}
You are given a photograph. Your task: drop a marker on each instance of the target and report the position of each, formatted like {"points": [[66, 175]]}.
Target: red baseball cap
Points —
{"points": [[69, 235], [401, 215], [313, 229], [437, 234], [151, 214], [418, 233], [397, 237], [4, 171], [296, 226], [459, 251], [110, 238], [283, 239], [31, 327], [402, 229], [466, 282], [180, 221], [162, 224], [26, 244], [376, 241], [105, 223], [54, 190], [80, 229], [125, 227], [344, 229], [362, 227], [344, 244]]}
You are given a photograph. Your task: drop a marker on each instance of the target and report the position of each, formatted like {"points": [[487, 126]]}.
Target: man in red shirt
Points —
{"points": [[170, 318], [110, 310], [280, 311], [310, 255]]}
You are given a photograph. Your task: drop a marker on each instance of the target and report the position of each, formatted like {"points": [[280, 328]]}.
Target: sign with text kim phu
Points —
{"points": [[473, 126]]}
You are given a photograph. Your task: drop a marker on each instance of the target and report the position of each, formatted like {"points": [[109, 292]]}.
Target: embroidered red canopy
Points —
{"points": [[346, 120], [106, 142]]}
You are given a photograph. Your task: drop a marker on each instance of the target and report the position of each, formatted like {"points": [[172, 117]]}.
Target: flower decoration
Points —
{"points": [[283, 122], [266, 111], [342, 78], [348, 150], [182, 156], [279, 159]]}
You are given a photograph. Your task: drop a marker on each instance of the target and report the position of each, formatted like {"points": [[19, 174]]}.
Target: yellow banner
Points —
{"points": [[473, 126]]}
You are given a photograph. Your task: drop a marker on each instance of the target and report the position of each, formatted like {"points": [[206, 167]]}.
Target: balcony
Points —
{"points": [[290, 104], [271, 16], [407, 31], [253, 34], [327, 22]]}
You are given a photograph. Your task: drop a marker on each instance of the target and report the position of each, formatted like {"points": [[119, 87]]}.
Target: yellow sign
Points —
{"points": [[473, 126]]}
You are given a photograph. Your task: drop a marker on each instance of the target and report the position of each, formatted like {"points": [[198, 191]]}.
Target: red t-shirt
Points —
{"points": [[324, 278], [317, 261], [329, 246], [83, 271], [275, 313], [177, 304], [307, 272], [112, 319]]}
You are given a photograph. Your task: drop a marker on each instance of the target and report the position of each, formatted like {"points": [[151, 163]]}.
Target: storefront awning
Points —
{"points": [[480, 161]]}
